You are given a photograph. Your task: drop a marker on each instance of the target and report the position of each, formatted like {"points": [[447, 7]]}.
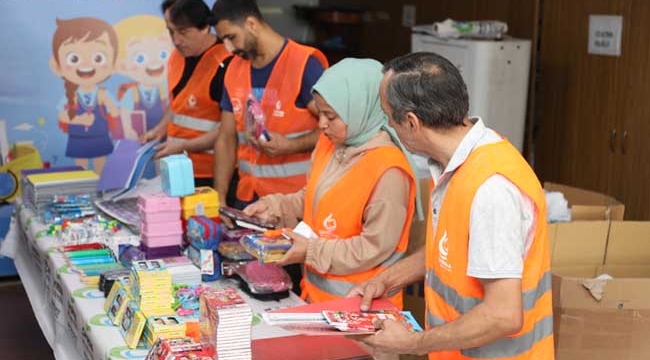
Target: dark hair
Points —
{"points": [[429, 86], [235, 10], [188, 13]]}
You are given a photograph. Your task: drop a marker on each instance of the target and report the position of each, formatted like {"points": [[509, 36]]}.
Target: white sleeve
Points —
{"points": [[502, 221]]}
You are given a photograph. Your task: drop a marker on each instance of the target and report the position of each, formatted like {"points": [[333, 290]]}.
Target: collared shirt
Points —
{"points": [[502, 220]]}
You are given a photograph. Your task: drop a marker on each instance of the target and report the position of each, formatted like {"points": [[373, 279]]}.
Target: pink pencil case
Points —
{"points": [[157, 229], [161, 234], [158, 202]]}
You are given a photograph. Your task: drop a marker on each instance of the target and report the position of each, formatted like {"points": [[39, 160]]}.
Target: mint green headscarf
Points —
{"points": [[351, 88]]}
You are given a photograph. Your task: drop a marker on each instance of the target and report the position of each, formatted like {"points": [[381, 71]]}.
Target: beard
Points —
{"points": [[249, 52]]}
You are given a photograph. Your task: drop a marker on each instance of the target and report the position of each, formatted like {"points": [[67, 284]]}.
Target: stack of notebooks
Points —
{"points": [[42, 185], [225, 320], [182, 269]]}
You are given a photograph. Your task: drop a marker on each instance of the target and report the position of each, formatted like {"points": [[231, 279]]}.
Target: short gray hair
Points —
{"points": [[429, 86]]}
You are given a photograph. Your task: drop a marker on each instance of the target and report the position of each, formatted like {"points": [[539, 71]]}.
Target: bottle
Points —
{"points": [[486, 29]]}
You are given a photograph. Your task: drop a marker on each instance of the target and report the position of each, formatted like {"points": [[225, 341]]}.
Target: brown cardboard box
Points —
{"points": [[588, 205], [582, 241], [617, 326]]}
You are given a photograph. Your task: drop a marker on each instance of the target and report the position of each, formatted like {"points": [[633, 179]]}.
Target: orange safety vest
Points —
{"points": [[339, 215], [259, 173], [450, 293], [195, 113]]}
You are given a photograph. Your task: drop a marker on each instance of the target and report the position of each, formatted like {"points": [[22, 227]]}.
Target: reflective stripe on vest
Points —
{"points": [[342, 288], [241, 136], [175, 139], [463, 304], [506, 347], [195, 123], [274, 171]]}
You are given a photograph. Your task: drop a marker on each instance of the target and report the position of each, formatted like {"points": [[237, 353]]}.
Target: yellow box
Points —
{"points": [[204, 201]]}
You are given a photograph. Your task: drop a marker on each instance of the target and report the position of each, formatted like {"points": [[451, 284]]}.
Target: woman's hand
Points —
{"points": [[298, 251]]}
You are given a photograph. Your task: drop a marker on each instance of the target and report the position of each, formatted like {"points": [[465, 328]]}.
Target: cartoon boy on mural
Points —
{"points": [[144, 47], [84, 51]]}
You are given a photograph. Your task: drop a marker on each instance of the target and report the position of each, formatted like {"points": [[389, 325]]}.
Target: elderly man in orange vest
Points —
{"points": [[486, 261], [197, 67], [277, 73]]}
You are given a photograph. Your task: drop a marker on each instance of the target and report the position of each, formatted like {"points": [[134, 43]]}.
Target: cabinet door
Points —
{"points": [[631, 172], [575, 107]]}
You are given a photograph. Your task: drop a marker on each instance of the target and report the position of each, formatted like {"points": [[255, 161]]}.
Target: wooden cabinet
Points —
{"points": [[593, 111]]}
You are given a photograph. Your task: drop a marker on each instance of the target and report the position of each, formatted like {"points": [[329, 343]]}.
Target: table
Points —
{"points": [[73, 321]]}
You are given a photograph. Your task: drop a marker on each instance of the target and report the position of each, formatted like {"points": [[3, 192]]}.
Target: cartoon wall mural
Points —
{"points": [[84, 51], [89, 74], [144, 46]]}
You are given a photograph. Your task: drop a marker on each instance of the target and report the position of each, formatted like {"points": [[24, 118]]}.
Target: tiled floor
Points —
{"points": [[20, 335]]}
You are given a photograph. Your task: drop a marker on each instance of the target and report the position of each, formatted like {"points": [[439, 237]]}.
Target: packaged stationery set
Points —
{"points": [[204, 235], [267, 247]]}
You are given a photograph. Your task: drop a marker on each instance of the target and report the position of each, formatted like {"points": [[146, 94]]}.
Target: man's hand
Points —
{"points": [[276, 144], [392, 338], [157, 133], [168, 148], [371, 289], [298, 251]]}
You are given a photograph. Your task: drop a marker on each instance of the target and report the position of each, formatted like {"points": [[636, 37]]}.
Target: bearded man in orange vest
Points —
{"points": [[196, 68], [278, 74], [486, 262]]}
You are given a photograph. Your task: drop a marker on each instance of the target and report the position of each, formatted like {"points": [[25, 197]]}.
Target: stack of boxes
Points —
{"points": [[225, 322], [204, 234], [161, 228], [152, 287]]}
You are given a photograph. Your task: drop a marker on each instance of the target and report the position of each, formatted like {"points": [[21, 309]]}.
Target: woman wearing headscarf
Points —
{"points": [[360, 194]]}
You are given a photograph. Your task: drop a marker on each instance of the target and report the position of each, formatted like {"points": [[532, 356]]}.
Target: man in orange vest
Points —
{"points": [[277, 73], [197, 67], [486, 262]]}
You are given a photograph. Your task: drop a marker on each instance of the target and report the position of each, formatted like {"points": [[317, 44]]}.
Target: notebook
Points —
{"points": [[124, 168]]}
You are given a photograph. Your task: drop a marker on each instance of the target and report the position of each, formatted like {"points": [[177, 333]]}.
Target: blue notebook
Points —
{"points": [[124, 168]]}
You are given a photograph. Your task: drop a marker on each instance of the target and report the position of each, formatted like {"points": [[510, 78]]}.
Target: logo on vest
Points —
{"points": [[329, 226], [443, 252], [236, 105], [278, 112], [191, 101]]}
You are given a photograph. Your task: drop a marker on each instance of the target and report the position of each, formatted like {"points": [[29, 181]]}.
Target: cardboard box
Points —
{"points": [[616, 326], [588, 205], [582, 241]]}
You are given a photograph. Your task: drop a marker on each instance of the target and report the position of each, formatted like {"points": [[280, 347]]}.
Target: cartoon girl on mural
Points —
{"points": [[144, 47], [84, 51]]}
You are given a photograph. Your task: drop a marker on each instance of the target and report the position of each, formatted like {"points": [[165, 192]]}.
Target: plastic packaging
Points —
{"points": [[264, 278], [267, 247], [470, 29]]}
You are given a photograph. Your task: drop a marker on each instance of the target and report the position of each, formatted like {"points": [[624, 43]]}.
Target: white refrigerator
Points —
{"points": [[496, 74]]}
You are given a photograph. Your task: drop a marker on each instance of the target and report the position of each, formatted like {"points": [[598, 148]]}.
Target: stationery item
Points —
{"points": [[123, 210], [157, 252], [267, 247], [203, 202], [245, 221], [41, 188], [264, 281], [225, 323], [124, 168], [180, 348], [204, 232], [339, 317], [176, 172], [132, 324]]}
